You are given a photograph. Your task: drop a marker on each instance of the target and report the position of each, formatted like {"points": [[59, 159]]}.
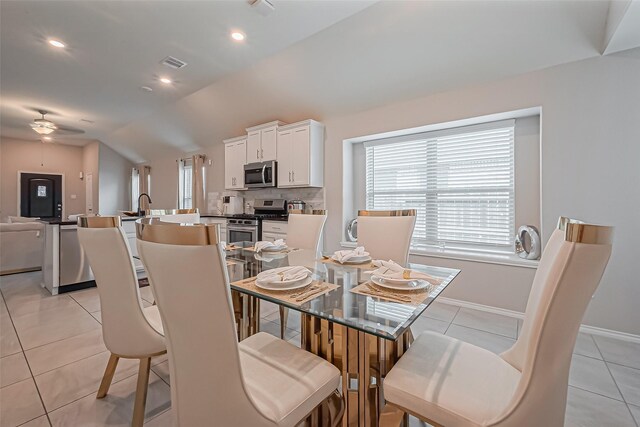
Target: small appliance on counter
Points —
{"points": [[296, 205], [232, 205]]}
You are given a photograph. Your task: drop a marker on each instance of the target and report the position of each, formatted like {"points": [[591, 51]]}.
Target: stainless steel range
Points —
{"points": [[248, 227]]}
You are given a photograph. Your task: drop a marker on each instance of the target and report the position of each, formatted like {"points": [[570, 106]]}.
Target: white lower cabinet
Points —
{"points": [[274, 230]]}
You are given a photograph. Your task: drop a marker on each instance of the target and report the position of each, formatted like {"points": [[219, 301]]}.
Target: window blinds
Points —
{"points": [[461, 182]]}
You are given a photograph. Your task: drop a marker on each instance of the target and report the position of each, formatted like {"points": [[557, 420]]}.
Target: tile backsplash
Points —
{"points": [[313, 197]]}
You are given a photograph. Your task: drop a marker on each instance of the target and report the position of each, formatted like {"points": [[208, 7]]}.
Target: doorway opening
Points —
{"points": [[40, 195]]}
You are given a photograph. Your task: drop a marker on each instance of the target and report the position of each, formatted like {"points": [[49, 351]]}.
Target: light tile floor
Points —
{"points": [[53, 357]]}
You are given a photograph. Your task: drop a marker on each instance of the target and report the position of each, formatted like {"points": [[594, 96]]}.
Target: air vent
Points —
{"points": [[172, 62]]}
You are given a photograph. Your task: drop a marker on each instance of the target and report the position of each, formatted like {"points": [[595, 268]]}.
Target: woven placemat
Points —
{"points": [[289, 296], [364, 266], [412, 297]]}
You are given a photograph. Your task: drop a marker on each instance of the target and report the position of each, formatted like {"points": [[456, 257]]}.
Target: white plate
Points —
{"points": [[354, 260], [402, 284], [283, 286], [275, 248], [267, 273]]}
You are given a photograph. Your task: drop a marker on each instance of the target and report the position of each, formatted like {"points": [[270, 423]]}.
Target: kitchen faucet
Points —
{"points": [[140, 197]]}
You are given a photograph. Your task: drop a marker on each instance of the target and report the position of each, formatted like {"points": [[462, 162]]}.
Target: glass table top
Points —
{"points": [[369, 314]]}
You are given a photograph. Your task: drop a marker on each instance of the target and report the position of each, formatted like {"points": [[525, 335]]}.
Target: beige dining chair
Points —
{"points": [[129, 330], [304, 231], [447, 382], [386, 235], [188, 216], [261, 381]]}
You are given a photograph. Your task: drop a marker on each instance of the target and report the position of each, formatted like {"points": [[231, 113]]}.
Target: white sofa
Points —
{"points": [[21, 247]]}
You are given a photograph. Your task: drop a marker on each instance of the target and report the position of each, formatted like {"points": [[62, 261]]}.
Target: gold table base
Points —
{"points": [[363, 359]]}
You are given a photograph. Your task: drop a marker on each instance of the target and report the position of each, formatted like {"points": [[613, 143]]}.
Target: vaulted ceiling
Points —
{"points": [[305, 60]]}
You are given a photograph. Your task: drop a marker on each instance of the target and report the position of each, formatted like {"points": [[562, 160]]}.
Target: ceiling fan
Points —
{"points": [[44, 127]]}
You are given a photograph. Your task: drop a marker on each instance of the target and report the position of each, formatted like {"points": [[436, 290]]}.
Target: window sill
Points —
{"points": [[506, 259]]}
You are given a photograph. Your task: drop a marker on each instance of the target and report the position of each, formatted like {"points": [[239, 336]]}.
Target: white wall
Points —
{"points": [[34, 156], [590, 171], [114, 187], [91, 166]]}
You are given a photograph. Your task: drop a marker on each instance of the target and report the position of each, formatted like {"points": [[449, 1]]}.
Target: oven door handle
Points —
{"points": [[264, 175]]}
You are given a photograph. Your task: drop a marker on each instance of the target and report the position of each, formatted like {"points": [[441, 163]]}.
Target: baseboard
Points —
{"points": [[19, 270], [593, 330]]}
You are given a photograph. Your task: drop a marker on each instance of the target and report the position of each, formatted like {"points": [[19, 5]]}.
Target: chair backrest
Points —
{"points": [[569, 272], [304, 230], [125, 329], [187, 271], [387, 235], [186, 216]]}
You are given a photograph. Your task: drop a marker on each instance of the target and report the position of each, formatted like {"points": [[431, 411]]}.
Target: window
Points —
{"points": [[461, 182], [186, 184], [135, 188]]}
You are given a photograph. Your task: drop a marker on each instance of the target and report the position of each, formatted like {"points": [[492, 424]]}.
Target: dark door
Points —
{"points": [[40, 195]]}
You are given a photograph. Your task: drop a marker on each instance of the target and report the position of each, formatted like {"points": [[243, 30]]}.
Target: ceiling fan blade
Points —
{"points": [[68, 130]]}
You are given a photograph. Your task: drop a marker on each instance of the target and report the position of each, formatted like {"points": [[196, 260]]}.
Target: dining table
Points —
{"points": [[361, 329]]}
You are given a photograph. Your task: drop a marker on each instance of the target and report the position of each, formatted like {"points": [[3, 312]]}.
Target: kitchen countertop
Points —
{"points": [[58, 221]]}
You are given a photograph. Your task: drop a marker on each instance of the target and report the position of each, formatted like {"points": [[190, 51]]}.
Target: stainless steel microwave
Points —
{"points": [[260, 175]]}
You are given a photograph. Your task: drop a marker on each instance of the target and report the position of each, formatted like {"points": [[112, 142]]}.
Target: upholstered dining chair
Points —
{"points": [[188, 216], [447, 382], [304, 231], [261, 381], [129, 330], [387, 234]]}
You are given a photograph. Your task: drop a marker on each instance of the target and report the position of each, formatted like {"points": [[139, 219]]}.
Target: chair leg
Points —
{"points": [[284, 316], [108, 376], [141, 392], [391, 416], [336, 408]]}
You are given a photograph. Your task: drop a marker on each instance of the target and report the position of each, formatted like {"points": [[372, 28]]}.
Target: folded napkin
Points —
{"points": [[291, 273], [392, 270], [261, 245], [346, 255]]}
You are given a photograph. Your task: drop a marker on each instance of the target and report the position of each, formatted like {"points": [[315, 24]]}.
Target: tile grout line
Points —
{"points": [[486, 332], [598, 394], [614, 380], [33, 378]]}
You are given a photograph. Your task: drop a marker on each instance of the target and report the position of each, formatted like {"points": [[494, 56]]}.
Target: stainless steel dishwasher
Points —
{"points": [[74, 265]]}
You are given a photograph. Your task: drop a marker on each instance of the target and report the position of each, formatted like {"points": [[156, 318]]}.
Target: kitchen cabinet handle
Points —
{"points": [[261, 153], [293, 176], [257, 153], [289, 176]]}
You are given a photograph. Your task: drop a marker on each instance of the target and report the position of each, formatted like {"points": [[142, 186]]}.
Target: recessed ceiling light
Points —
{"points": [[237, 36], [166, 80], [47, 138], [146, 88], [56, 43]]}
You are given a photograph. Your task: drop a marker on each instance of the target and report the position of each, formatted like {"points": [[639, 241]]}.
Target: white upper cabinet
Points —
{"points": [[235, 157], [262, 142], [301, 154]]}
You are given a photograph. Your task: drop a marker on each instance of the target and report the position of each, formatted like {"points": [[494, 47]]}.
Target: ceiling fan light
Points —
{"points": [[42, 130]]}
